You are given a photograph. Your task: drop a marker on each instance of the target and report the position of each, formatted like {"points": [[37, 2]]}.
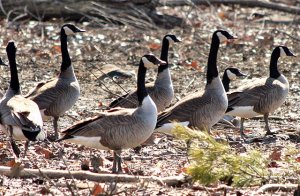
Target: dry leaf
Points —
{"points": [[11, 163], [1, 145], [276, 155], [56, 49], [154, 46], [47, 153], [194, 64], [97, 189]]}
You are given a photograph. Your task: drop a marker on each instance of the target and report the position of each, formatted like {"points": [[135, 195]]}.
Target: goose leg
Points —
{"points": [[266, 118], [13, 144], [119, 161], [55, 125], [242, 128], [117, 167], [26, 147]]}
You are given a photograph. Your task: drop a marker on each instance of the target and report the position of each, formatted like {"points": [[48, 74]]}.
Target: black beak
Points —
{"points": [[240, 74], [79, 30], [290, 53], [177, 40], [160, 62]]}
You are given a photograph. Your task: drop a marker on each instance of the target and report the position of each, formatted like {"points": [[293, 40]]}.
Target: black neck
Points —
{"points": [[14, 80], [141, 88], [66, 61], [226, 81], [212, 70], [164, 55], [274, 73]]}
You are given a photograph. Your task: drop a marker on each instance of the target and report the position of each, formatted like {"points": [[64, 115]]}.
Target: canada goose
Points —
{"points": [[119, 128], [261, 96], [201, 109], [230, 74], [161, 91], [56, 96], [20, 118]]}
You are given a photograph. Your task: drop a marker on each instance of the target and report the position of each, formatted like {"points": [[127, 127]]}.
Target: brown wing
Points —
{"points": [[184, 109], [252, 96], [100, 125]]}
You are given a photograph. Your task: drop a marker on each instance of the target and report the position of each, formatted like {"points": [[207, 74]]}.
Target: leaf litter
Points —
{"points": [[122, 46]]}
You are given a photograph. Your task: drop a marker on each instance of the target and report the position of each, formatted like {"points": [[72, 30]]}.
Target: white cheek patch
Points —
{"points": [[68, 31], [282, 52], [147, 63], [171, 41], [221, 37], [230, 75], [168, 127]]}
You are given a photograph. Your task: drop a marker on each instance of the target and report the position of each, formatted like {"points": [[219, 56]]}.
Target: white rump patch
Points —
{"points": [[230, 75], [147, 63], [68, 31], [243, 111], [168, 127], [92, 142], [221, 37]]}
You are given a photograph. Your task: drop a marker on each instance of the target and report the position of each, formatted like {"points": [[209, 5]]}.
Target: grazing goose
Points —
{"points": [[161, 91], [230, 74], [261, 96], [20, 118], [201, 109], [119, 128], [58, 95]]}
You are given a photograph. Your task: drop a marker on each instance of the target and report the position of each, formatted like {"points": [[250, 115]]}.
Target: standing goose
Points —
{"points": [[58, 95], [201, 109], [20, 118], [261, 96], [161, 91], [119, 128], [230, 74]]}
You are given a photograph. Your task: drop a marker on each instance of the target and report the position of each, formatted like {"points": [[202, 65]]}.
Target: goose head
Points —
{"points": [[171, 38], [284, 51], [233, 73], [151, 61], [223, 35], [70, 29]]}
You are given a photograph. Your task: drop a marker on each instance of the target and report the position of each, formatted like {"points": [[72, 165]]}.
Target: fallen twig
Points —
{"points": [[277, 187], [86, 175], [246, 3]]}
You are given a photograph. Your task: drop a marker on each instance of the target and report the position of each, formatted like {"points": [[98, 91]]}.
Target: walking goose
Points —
{"points": [[56, 96], [161, 91], [20, 118], [201, 109], [261, 96], [119, 128]]}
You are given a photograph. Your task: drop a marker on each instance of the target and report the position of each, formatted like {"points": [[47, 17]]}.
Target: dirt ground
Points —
{"points": [[38, 57]]}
